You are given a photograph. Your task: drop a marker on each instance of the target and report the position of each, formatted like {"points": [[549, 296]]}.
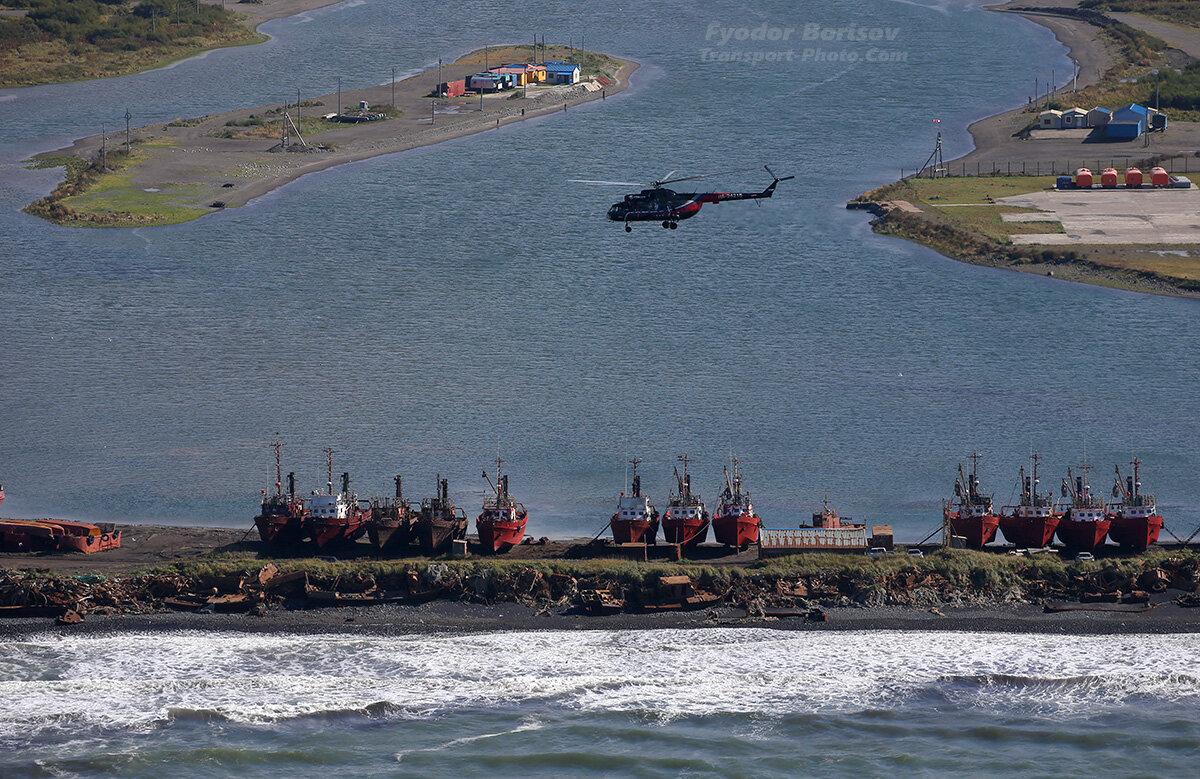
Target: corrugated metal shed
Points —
{"points": [[1098, 117], [1128, 130], [812, 539]]}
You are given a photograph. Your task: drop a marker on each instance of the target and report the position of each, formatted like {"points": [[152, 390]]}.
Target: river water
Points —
{"points": [[420, 310], [417, 312], [710, 702]]}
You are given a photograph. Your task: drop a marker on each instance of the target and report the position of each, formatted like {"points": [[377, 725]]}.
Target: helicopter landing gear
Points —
{"points": [[628, 229], [666, 223], [670, 223], [674, 225]]}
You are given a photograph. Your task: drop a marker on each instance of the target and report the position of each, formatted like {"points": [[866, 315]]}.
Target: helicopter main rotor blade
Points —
{"points": [[606, 183], [703, 176]]}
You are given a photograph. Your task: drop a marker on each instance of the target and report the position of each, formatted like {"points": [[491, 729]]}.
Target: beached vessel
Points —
{"points": [[636, 519], [281, 518], [686, 519], [24, 535], [1, 494], [336, 519], [1084, 525], [971, 514], [1032, 522], [734, 521], [440, 521], [84, 537], [1134, 522], [501, 526], [393, 521]]}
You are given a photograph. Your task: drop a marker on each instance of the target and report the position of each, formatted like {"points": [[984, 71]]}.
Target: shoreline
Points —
{"points": [[181, 170], [994, 147], [165, 579], [466, 618]]}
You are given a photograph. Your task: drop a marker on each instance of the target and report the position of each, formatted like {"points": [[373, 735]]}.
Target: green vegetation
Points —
{"points": [[963, 568], [65, 40], [1185, 12], [93, 196]]}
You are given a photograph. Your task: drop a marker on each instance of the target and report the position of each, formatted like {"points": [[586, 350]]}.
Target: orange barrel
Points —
{"points": [[1108, 179], [1083, 178], [1133, 178], [1159, 177]]}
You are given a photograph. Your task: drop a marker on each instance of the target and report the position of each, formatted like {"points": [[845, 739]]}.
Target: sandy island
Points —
{"points": [[182, 169]]}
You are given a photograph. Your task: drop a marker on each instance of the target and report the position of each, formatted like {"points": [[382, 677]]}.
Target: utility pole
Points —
{"points": [[299, 119], [339, 103], [485, 57], [393, 86], [128, 116], [439, 74], [103, 148]]}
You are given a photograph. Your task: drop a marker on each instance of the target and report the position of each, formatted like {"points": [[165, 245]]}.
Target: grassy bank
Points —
{"points": [[56, 41], [1182, 12], [97, 193]]}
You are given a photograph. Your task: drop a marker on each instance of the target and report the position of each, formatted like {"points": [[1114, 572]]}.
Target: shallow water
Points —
{"points": [[421, 310], [709, 702]]}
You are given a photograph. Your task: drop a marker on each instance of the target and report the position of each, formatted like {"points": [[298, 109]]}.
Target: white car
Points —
{"points": [[915, 552], [876, 551], [1085, 556]]}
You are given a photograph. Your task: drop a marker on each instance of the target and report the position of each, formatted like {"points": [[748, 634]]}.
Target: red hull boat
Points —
{"points": [[280, 521], [1135, 521], [21, 535], [501, 526], [336, 519], [686, 520], [971, 514], [1084, 525], [85, 538], [735, 523], [635, 521], [1031, 524]]}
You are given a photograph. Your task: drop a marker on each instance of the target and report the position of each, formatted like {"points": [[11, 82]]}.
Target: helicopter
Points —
{"points": [[668, 206]]}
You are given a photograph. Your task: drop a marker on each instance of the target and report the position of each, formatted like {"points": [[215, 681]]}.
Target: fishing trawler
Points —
{"points": [[501, 526], [636, 520], [440, 521], [1031, 523], [735, 523], [336, 519], [393, 521], [1134, 522], [971, 514], [1084, 525], [281, 520], [686, 519]]}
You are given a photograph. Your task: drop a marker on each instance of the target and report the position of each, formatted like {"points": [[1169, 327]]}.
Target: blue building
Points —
{"points": [[562, 73], [1128, 122]]}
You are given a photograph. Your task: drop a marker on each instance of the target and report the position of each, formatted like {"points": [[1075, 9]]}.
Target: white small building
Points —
{"points": [[1074, 118], [1050, 120], [1098, 117]]}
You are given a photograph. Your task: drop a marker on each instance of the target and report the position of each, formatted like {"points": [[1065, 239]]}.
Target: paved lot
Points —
{"points": [[1114, 216]]}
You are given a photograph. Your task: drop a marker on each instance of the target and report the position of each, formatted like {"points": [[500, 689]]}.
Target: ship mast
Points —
{"points": [[278, 468], [685, 484], [637, 480], [328, 468]]}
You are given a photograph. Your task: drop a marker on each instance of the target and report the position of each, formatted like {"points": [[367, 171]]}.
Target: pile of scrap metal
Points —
{"points": [[49, 535]]}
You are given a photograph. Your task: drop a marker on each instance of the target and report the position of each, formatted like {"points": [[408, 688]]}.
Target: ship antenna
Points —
{"points": [[329, 468], [1137, 481], [278, 467]]}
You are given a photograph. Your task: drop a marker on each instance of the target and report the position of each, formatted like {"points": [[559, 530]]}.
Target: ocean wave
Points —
{"points": [[142, 681]]}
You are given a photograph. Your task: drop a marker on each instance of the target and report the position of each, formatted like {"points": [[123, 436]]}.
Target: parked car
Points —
{"points": [[1085, 556], [913, 552], [876, 551]]}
